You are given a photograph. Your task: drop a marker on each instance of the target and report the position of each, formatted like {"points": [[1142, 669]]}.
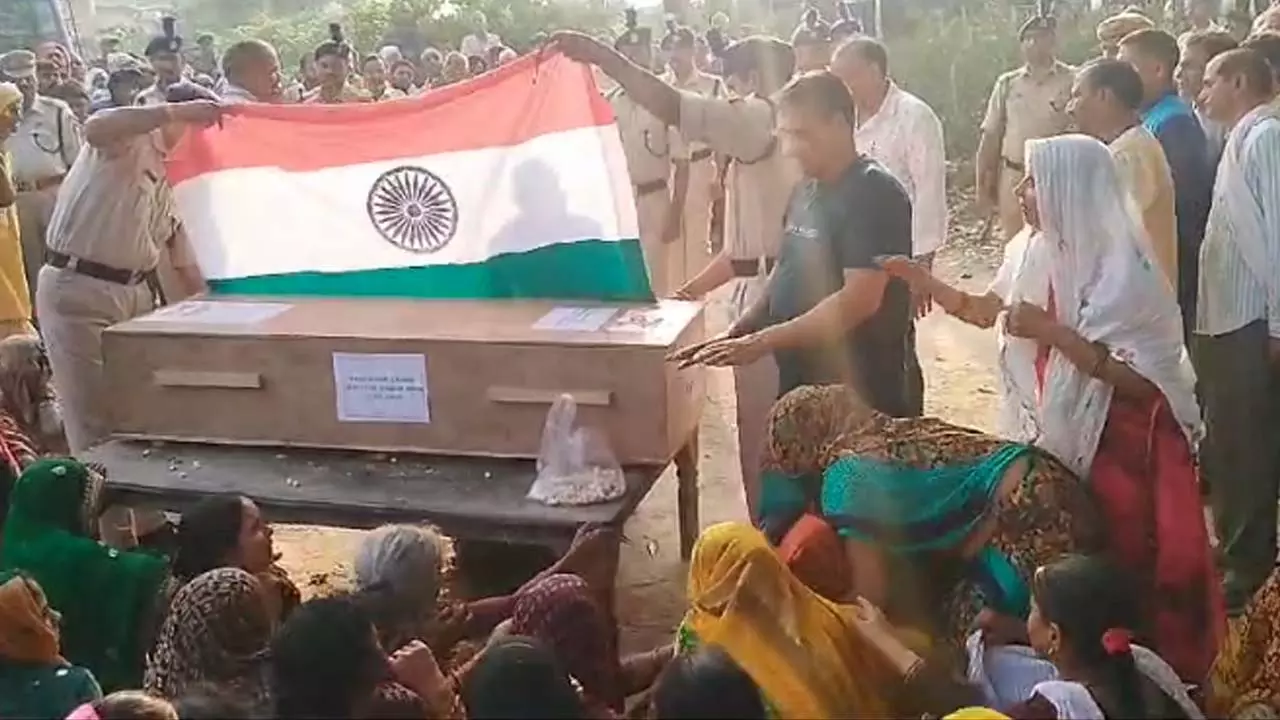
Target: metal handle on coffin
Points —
{"points": [[530, 396], [204, 379]]}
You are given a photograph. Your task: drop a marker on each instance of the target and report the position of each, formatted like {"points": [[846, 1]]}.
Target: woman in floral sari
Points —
{"points": [[29, 425], [1094, 370], [943, 524]]}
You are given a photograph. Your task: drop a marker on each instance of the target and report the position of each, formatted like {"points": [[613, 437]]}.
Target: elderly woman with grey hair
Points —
{"points": [[402, 577], [400, 572]]}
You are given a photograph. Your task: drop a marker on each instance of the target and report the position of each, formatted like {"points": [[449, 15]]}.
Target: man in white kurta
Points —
{"points": [[903, 133]]}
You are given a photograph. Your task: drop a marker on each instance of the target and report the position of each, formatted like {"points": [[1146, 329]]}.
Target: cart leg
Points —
{"points": [[687, 495]]}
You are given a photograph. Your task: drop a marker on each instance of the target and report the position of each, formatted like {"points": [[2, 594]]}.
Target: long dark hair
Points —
{"points": [[707, 684], [207, 533], [1093, 605], [325, 661]]}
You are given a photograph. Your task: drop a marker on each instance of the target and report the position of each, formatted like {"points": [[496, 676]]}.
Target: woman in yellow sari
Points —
{"points": [[803, 652]]}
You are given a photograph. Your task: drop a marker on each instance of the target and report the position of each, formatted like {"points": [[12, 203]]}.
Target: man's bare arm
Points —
{"points": [[835, 315]]}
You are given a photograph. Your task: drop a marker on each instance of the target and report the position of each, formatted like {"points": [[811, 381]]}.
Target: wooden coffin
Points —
{"points": [[447, 377]]}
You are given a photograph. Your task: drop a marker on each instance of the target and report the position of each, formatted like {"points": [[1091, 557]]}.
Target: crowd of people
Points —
{"points": [[893, 565]]}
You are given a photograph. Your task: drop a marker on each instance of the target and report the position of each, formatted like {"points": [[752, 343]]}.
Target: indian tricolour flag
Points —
{"points": [[512, 185]]}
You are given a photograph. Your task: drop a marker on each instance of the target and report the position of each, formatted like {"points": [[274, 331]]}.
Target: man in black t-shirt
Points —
{"points": [[830, 314]]}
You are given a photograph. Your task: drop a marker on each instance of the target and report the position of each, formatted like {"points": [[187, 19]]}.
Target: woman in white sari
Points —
{"points": [[1093, 369]]}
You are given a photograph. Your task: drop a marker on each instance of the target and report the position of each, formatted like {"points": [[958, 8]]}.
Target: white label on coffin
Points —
{"points": [[575, 319], [376, 387], [217, 313]]}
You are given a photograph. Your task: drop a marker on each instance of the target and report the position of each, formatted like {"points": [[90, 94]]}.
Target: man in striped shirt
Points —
{"points": [[1237, 323]]}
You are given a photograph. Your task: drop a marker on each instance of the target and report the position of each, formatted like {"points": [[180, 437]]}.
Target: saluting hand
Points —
{"points": [[579, 47]]}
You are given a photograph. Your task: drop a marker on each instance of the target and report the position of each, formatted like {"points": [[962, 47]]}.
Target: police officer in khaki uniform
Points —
{"points": [[114, 215], [695, 177], [333, 69], [758, 186], [43, 147], [164, 52], [1025, 104], [648, 143]]}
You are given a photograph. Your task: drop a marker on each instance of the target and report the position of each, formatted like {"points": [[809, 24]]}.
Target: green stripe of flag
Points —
{"points": [[584, 270]]}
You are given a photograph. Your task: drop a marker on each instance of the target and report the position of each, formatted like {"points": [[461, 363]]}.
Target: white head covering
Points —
{"points": [[1094, 253]]}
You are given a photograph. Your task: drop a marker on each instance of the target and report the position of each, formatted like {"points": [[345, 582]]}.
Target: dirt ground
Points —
{"points": [[959, 367]]}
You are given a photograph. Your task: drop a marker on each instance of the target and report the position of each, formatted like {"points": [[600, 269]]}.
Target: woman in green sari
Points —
{"points": [[107, 598]]}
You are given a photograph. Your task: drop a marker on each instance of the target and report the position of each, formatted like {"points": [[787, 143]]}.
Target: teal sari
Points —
{"points": [[910, 511]]}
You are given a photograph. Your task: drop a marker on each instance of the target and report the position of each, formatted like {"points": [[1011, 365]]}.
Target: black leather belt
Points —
{"points": [[650, 187], [750, 268], [700, 155], [96, 270]]}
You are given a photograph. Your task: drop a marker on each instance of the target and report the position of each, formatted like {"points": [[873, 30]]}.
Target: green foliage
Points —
{"points": [[952, 61], [948, 52], [370, 23]]}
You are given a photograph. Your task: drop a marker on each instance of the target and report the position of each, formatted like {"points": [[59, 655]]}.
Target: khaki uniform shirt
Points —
{"points": [[1145, 172], [707, 86], [1026, 105], [45, 143], [646, 140], [115, 207], [389, 93], [759, 182], [350, 94]]}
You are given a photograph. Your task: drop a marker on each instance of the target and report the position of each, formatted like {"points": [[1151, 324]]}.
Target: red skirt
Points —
{"points": [[1145, 479]]}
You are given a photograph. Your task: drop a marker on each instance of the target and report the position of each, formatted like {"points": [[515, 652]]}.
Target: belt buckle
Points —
{"points": [[73, 264]]}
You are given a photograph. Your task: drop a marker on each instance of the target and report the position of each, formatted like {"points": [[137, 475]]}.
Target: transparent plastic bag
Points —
{"points": [[576, 466]]}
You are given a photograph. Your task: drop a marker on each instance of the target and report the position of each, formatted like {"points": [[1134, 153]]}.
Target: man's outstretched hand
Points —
{"points": [[580, 47]]}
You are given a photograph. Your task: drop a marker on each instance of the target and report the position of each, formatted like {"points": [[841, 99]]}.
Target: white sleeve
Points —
{"points": [[1014, 252], [927, 165], [1262, 172]]}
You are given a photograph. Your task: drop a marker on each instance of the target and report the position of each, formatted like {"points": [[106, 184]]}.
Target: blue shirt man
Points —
{"points": [[1154, 54]]}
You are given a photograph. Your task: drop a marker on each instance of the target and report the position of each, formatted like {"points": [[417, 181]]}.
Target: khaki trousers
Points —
{"points": [[1009, 209], [755, 388], [74, 310], [35, 210], [659, 257], [695, 234]]}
